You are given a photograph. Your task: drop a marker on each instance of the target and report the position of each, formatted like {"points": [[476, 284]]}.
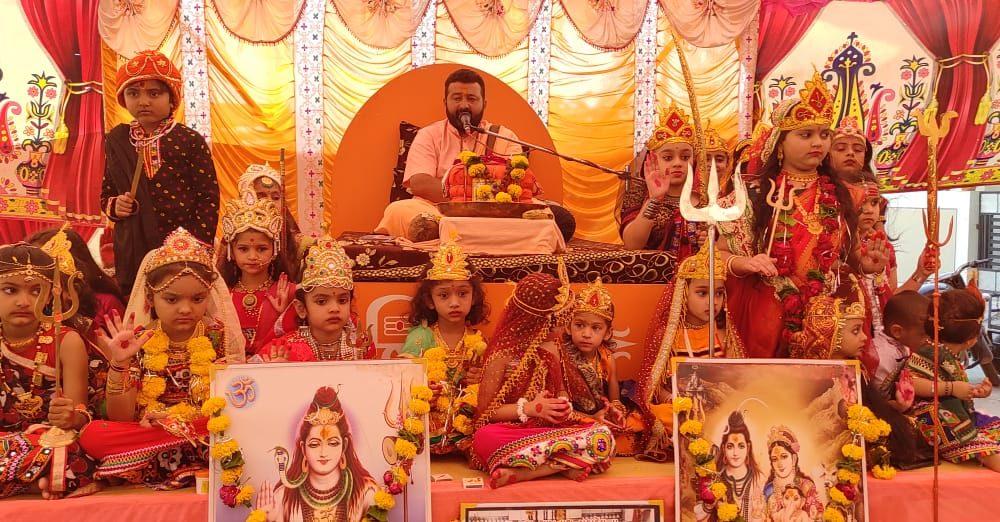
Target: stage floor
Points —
{"points": [[967, 493]]}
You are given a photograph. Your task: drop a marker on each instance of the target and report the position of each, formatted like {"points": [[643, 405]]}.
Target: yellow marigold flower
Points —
{"points": [[727, 512], [222, 450], [436, 375], [718, 489], [884, 429], [200, 369], [691, 428], [442, 403], [435, 354], [421, 392], [706, 469], [514, 190], [466, 156], [153, 386], [202, 356], [463, 424], [837, 496], [245, 494], [832, 514], [870, 432], [155, 362], [682, 404], [477, 170], [213, 406], [218, 424], [200, 344], [399, 475], [699, 447], [257, 515], [503, 197], [231, 476], [384, 500], [484, 193], [517, 174], [419, 407], [183, 411], [158, 343], [855, 411], [519, 161], [854, 425], [414, 425], [846, 475], [405, 449], [884, 472], [852, 451]]}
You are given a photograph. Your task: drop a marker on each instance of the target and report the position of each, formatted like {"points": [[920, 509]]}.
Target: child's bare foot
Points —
{"points": [[578, 475], [501, 477], [47, 494]]}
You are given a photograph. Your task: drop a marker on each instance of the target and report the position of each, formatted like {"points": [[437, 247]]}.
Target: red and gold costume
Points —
{"points": [[539, 305], [671, 232], [177, 186], [291, 235], [260, 321], [809, 239], [670, 335], [327, 265], [168, 445], [823, 327]]}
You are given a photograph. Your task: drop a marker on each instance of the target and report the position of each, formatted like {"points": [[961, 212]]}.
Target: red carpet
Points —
{"points": [[967, 493]]}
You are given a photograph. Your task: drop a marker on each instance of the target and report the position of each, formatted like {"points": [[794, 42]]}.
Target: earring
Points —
{"points": [[343, 463], [781, 157]]}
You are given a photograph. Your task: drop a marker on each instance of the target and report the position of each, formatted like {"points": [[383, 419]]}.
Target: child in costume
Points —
{"points": [[525, 427], [265, 183], [963, 432], [176, 186], [38, 415], [255, 270], [679, 328], [155, 433], [591, 373], [832, 328], [323, 302], [448, 304]]}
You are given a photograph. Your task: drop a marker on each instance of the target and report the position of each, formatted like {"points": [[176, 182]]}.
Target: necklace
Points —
{"points": [[324, 351], [326, 500], [801, 178], [250, 296], [811, 219], [455, 355]]}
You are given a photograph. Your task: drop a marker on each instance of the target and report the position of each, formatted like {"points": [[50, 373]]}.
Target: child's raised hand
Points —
{"points": [[281, 301], [120, 339]]}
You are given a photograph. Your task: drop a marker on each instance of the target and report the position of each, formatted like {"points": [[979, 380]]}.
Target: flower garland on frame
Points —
{"points": [[822, 222], [844, 494], [234, 490], [505, 190], [410, 442], [155, 359], [707, 485]]}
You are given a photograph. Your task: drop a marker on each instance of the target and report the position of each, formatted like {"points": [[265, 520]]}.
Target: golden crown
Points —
{"points": [[849, 128], [58, 247], [327, 264], [813, 107], [323, 417], [449, 263], [180, 247], [696, 266], [714, 141], [249, 213], [596, 299], [265, 173], [782, 434], [675, 127]]}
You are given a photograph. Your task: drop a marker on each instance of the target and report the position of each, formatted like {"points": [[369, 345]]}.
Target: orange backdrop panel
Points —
{"points": [[386, 306], [362, 170]]}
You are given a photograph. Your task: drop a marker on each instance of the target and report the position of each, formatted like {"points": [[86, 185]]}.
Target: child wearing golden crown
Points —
{"points": [[40, 408], [679, 328], [448, 304], [324, 304], [264, 182], [180, 319], [255, 270]]}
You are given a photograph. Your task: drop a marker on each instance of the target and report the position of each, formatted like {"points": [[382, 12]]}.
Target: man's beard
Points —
{"points": [[456, 121]]}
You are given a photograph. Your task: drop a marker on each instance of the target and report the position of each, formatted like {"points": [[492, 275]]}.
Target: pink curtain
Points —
{"points": [[956, 27], [67, 29]]}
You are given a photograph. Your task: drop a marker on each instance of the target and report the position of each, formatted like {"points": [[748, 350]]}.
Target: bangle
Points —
{"points": [[521, 415], [652, 210], [119, 369], [729, 267], [82, 410]]}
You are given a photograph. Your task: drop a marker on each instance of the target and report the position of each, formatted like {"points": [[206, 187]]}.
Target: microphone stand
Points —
{"points": [[623, 175]]}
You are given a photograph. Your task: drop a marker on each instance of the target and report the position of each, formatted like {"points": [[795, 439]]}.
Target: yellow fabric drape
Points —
{"points": [[496, 28], [252, 90], [115, 114], [512, 67], [128, 31], [608, 24], [591, 111], [715, 73], [384, 24], [352, 73], [257, 21]]}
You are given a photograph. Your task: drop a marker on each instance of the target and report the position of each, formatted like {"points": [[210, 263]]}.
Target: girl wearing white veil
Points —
{"points": [[158, 378]]}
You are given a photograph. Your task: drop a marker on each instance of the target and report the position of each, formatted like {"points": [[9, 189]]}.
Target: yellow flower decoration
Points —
{"points": [[682, 404], [231, 476], [484, 192], [463, 424], [419, 407], [414, 425], [718, 489], [467, 156], [519, 161], [213, 406], [475, 343], [706, 469], [884, 472], [245, 494], [517, 174], [854, 425], [870, 432], [183, 412], [699, 447], [514, 190], [832, 515], [727, 512], [855, 412], [846, 475], [503, 197], [257, 515], [852, 451], [200, 369], [399, 475], [435, 354], [837, 496], [202, 356], [477, 170], [436, 375], [218, 424], [405, 449], [155, 362], [158, 343], [384, 500], [421, 392], [884, 429], [223, 450], [691, 428], [153, 387]]}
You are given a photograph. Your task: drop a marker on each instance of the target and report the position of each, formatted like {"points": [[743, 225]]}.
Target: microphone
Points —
{"points": [[466, 118]]}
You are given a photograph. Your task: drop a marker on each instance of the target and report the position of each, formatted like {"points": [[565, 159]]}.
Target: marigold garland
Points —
{"points": [[710, 490], [155, 358], [504, 190], [865, 427], [227, 452]]}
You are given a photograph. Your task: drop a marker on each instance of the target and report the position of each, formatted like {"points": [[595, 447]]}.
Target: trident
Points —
{"points": [[712, 214], [781, 202]]}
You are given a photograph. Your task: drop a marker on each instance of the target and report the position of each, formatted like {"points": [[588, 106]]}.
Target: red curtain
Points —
{"points": [[67, 29], [956, 27], [782, 25]]}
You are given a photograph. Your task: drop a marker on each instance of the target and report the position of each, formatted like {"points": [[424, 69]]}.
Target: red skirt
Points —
{"points": [[757, 313], [23, 460], [138, 453]]}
